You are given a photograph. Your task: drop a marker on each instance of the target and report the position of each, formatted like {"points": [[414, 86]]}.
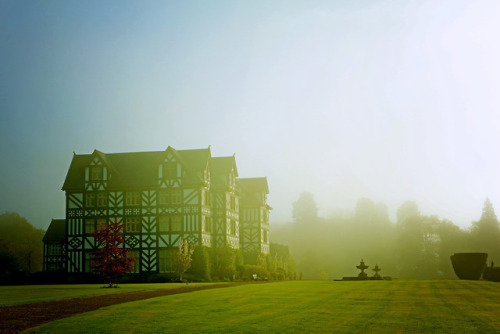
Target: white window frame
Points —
{"points": [[133, 198], [133, 224], [96, 173], [165, 260], [102, 199], [90, 226], [90, 200]]}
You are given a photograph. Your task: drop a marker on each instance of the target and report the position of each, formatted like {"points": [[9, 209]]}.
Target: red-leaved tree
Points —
{"points": [[110, 259]]}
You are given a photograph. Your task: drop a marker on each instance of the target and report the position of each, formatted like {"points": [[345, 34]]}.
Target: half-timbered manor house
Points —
{"points": [[161, 197]]}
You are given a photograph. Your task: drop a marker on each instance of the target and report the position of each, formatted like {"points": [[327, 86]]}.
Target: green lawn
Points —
{"points": [[306, 306], [24, 294]]}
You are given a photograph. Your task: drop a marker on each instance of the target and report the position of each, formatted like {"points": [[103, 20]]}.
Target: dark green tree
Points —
{"points": [[485, 233], [305, 209], [225, 259], [418, 243], [364, 211], [280, 261], [452, 240], [22, 241], [201, 264], [407, 210], [371, 233], [10, 272], [488, 214], [410, 246]]}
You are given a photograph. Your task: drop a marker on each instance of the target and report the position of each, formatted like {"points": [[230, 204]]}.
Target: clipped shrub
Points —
{"points": [[492, 274], [469, 266], [201, 265], [225, 259], [250, 270]]}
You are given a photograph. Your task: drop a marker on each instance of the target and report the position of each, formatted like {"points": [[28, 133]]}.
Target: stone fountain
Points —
{"points": [[362, 276]]}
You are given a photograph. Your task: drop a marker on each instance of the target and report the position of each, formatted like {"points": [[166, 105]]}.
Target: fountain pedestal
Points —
{"points": [[362, 267], [362, 276]]}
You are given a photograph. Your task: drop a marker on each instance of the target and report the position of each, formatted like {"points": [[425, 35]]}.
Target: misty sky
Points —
{"points": [[391, 100]]}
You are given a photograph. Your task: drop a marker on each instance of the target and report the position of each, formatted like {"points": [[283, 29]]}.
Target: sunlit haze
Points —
{"points": [[389, 100]]}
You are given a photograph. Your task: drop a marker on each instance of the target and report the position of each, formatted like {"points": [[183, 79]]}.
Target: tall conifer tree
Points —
{"points": [[486, 233]]}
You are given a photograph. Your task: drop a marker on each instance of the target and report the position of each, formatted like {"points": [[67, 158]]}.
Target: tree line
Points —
{"points": [[416, 246], [227, 264], [21, 256], [21, 248]]}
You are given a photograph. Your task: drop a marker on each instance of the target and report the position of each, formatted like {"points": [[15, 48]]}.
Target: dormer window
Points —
{"points": [[170, 170], [133, 198], [54, 249], [167, 197], [102, 199], [170, 223], [133, 224], [96, 173], [90, 200], [89, 226]]}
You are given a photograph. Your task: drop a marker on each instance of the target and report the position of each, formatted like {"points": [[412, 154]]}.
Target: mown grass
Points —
{"points": [[304, 307], [24, 294]]}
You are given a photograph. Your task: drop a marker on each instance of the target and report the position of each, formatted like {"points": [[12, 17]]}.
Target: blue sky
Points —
{"points": [[391, 100]]}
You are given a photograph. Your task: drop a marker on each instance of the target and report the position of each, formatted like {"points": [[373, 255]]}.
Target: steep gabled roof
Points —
{"points": [[221, 167], [196, 160], [75, 178], [104, 160], [126, 169], [254, 184], [251, 189], [137, 169], [56, 231]]}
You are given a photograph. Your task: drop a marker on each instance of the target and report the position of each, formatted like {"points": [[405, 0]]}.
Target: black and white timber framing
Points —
{"points": [[161, 197]]}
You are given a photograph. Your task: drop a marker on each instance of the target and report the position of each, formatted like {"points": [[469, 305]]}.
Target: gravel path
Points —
{"points": [[14, 319]]}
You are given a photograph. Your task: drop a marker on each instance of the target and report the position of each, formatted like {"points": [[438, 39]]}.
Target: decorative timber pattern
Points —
{"points": [[254, 229], [161, 198]]}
